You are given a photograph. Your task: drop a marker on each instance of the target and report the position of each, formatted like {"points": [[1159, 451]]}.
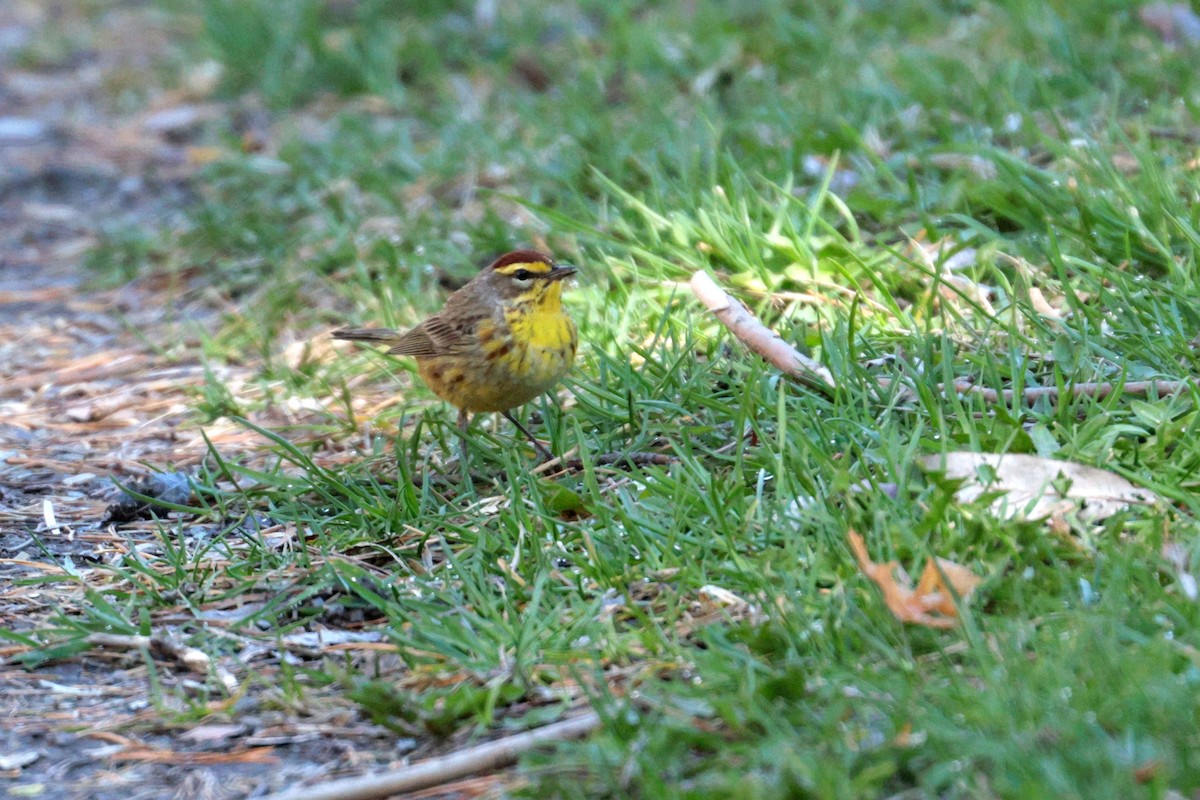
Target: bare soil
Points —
{"points": [[91, 393]]}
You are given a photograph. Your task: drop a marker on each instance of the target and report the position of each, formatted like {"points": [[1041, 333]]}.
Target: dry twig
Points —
{"points": [[163, 647], [615, 460], [190, 657], [762, 340], [1032, 394], [437, 771], [758, 337]]}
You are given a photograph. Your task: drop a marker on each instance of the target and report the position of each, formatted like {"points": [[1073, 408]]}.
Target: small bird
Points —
{"points": [[500, 341]]}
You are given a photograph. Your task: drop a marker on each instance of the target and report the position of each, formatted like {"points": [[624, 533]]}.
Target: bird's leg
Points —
{"points": [[545, 454], [464, 422]]}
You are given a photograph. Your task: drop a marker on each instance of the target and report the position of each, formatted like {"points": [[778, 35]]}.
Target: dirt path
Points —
{"points": [[89, 391], [83, 395]]}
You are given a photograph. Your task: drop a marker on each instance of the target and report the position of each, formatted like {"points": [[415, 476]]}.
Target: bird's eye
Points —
{"points": [[522, 274]]}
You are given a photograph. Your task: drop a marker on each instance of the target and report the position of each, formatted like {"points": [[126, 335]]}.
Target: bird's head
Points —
{"points": [[526, 276]]}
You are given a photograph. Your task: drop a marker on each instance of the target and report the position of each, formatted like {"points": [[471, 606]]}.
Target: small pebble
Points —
{"points": [[21, 130]]}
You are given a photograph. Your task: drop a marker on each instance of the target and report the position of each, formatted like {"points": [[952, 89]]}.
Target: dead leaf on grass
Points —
{"points": [[170, 487], [931, 603], [203, 155], [1034, 488], [209, 735], [14, 761], [1178, 557], [717, 602], [1176, 23], [982, 168]]}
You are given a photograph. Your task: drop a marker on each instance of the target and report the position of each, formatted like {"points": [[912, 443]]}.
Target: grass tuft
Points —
{"points": [[924, 192]]}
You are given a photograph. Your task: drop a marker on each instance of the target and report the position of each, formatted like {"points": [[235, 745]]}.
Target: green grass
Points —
{"points": [[788, 151]]}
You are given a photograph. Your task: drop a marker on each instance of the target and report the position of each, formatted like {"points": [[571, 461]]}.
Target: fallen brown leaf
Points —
{"points": [[1147, 771], [931, 603], [202, 155]]}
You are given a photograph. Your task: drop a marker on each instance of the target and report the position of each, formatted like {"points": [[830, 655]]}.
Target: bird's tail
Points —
{"points": [[367, 335]]}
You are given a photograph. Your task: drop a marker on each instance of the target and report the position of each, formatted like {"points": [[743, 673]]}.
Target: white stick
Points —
{"points": [[437, 771], [758, 337]]}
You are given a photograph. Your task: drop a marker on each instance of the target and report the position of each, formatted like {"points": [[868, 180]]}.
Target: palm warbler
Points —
{"points": [[500, 341]]}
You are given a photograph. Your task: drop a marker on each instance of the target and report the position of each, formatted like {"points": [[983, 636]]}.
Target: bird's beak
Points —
{"points": [[561, 271]]}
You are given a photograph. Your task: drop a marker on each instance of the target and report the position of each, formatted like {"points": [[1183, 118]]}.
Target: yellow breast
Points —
{"points": [[544, 335], [515, 362]]}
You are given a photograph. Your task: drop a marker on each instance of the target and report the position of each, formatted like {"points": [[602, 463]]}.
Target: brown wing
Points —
{"points": [[417, 342], [439, 335]]}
